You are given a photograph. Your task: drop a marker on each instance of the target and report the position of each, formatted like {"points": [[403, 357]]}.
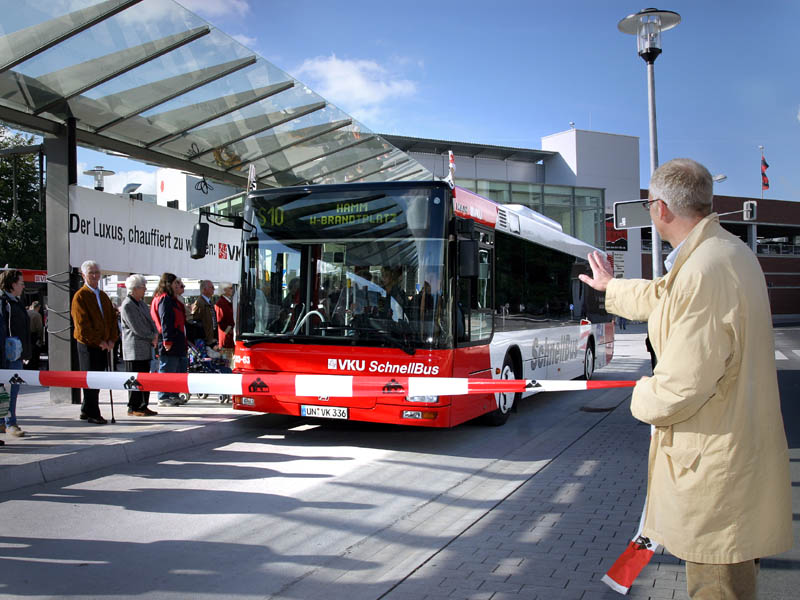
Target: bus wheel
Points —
{"points": [[505, 400], [588, 361]]}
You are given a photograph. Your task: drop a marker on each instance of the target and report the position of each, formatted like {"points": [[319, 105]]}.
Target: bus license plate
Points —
{"points": [[325, 412]]}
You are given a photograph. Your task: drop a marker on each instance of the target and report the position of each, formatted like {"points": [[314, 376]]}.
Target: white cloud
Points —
{"points": [[245, 40], [360, 87], [217, 8]]}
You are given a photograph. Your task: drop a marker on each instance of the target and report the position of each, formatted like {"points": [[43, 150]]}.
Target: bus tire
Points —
{"points": [[588, 361], [505, 401]]}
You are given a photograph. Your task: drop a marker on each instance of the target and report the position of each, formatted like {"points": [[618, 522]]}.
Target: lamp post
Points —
{"points": [[99, 173], [647, 26]]}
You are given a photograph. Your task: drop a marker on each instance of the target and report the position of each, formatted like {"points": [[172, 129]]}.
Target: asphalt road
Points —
{"points": [[285, 512]]}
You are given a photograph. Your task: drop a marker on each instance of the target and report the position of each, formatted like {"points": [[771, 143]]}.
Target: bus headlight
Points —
{"points": [[426, 399]]}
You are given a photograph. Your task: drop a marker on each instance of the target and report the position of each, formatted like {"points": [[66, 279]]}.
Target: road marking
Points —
{"points": [[780, 355], [796, 352]]}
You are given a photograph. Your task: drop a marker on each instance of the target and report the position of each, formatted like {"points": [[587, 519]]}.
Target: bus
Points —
{"points": [[397, 279]]}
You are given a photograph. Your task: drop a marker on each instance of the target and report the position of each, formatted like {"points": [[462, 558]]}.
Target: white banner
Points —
{"points": [[132, 236]]}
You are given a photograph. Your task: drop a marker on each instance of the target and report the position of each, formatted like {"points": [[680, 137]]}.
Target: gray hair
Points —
{"points": [[685, 186], [205, 283], [87, 264], [221, 287], [134, 281]]}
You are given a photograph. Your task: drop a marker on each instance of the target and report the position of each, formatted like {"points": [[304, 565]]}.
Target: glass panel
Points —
{"points": [[133, 107], [494, 190], [527, 194], [558, 205]]}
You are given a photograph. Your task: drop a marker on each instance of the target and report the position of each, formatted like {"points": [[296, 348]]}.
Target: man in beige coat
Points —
{"points": [[719, 491]]}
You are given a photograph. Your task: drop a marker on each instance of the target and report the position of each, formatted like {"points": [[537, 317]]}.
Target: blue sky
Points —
{"points": [[511, 72]]}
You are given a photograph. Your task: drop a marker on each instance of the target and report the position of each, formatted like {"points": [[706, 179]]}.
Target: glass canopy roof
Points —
{"points": [[151, 80]]}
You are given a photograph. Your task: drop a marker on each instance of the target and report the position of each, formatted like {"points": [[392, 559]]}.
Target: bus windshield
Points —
{"points": [[362, 267]]}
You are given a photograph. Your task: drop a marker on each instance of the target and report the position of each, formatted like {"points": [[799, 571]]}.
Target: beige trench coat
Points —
{"points": [[718, 488]]}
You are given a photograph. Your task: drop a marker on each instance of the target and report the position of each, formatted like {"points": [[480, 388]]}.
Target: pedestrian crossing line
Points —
{"points": [[796, 352], [780, 355]]}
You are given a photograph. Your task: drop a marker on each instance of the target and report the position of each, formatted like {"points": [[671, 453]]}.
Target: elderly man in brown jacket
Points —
{"points": [[96, 332], [718, 493]]}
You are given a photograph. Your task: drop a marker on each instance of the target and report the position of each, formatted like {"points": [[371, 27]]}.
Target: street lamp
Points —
{"points": [[719, 178], [647, 26], [99, 173]]}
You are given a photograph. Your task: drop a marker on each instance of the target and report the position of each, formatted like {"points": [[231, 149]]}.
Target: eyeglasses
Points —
{"points": [[180, 283], [646, 204]]}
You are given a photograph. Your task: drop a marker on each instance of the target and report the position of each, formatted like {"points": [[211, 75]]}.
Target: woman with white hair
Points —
{"points": [[139, 336]]}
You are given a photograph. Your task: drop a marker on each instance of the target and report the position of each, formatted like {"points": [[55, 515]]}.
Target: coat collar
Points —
{"points": [[706, 228]]}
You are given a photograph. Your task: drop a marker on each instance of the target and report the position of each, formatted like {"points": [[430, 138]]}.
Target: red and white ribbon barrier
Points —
{"points": [[294, 384]]}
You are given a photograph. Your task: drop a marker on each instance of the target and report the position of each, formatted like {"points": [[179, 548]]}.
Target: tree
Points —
{"points": [[22, 237]]}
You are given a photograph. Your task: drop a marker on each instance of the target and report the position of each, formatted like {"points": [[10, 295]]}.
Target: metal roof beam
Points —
{"points": [[320, 130], [127, 59], [382, 168], [27, 43], [232, 102], [301, 112], [158, 159], [404, 175], [179, 85], [347, 166]]}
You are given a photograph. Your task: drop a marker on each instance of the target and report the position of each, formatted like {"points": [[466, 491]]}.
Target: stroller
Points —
{"points": [[206, 360]]}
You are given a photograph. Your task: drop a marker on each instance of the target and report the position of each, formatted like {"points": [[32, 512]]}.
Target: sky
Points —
{"points": [[510, 72]]}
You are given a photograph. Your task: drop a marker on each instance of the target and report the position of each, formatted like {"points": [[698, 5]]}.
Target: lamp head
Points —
{"points": [[647, 26]]}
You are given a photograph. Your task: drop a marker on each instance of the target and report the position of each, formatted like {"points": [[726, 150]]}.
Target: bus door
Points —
{"points": [[474, 306]]}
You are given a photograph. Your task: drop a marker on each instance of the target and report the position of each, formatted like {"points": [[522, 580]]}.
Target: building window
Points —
{"points": [[527, 194], [558, 205]]}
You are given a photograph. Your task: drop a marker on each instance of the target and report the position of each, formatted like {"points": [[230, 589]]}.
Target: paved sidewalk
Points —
{"points": [[58, 444]]}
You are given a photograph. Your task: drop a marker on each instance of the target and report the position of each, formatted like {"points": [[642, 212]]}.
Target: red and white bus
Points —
{"points": [[398, 279]]}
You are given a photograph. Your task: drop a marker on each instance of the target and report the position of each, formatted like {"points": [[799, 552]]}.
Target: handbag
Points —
{"points": [[13, 348]]}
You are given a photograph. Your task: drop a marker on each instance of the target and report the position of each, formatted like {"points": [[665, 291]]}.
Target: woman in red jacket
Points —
{"points": [[169, 315]]}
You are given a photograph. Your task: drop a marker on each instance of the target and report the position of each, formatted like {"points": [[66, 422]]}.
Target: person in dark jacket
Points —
{"points": [[169, 315], [96, 331], [139, 335], [17, 324]]}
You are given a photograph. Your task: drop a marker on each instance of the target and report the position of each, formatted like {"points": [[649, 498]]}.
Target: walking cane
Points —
{"points": [[110, 393]]}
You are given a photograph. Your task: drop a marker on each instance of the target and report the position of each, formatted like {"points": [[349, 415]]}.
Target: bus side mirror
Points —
{"points": [[468, 258], [199, 240]]}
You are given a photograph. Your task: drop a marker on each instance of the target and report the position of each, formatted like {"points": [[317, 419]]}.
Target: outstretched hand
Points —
{"points": [[602, 272]]}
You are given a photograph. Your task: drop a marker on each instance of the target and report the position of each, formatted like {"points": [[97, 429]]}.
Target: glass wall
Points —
{"points": [[589, 214], [527, 194]]}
